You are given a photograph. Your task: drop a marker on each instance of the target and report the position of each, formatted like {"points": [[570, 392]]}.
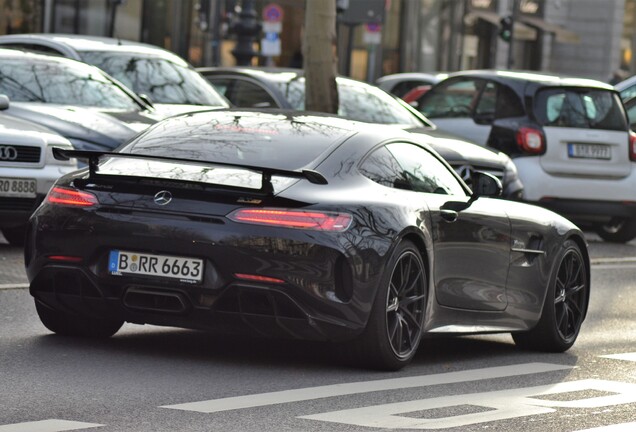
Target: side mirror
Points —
{"points": [[485, 184], [4, 102]]}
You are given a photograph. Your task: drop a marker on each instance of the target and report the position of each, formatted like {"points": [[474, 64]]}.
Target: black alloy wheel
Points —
{"points": [[405, 305], [570, 295], [67, 324], [395, 324], [565, 305]]}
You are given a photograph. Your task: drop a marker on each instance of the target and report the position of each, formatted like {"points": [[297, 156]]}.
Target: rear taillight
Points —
{"points": [[531, 141], [71, 197], [310, 220], [632, 146]]}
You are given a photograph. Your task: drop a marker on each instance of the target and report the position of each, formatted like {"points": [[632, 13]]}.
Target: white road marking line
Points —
{"points": [[613, 260], [625, 356], [51, 425], [496, 405], [311, 393], [623, 427], [13, 286]]}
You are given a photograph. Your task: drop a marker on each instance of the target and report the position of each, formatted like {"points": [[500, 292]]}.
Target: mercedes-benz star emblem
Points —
{"points": [[8, 153], [466, 173], [163, 197]]}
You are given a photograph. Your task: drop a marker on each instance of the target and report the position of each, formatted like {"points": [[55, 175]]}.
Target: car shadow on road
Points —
{"points": [[211, 349]]}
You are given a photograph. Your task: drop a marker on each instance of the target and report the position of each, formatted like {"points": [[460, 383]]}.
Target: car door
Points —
{"points": [[243, 93], [472, 246], [462, 106]]}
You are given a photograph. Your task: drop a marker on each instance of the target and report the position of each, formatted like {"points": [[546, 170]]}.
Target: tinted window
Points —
{"points": [[403, 87], [580, 108], [162, 80], [424, 172], [68, 83], [508, 103], [250, 95], [33, 47], [358, 101], [455, 98], [382, 168]]}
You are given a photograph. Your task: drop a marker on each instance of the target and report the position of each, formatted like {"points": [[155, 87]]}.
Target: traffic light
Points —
{"points": [[505, 28]]}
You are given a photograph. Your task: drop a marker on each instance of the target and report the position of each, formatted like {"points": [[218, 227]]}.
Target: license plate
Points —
{"points": [[589, 151], [165, 266], [17, 187]]}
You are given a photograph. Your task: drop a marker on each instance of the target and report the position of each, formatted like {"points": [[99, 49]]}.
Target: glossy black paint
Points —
{"points": [[488, 268]]}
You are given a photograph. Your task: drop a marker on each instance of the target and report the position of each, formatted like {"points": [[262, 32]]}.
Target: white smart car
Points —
{"points": [[27, 170], [568, 137]]}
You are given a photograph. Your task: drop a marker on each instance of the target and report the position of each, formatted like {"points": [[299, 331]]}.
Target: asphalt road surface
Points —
{"points": [[154, 379]]}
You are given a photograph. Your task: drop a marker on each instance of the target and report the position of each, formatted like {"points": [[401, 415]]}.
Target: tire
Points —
{"points": [[618, 230], [15, 236], [74, 325], [565, 305], [394, 329]]}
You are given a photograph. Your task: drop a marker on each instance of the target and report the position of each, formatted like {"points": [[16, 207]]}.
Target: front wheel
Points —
{"points": [[565, 305], [74, 325], [395, 324], [618, 230]]}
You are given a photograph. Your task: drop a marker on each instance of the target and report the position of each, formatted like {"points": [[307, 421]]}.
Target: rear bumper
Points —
{"points": [[581, 199], [238, 308], [325, 294], [585, 212]]}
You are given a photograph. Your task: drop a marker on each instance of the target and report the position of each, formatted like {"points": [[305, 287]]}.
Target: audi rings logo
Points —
{"points": [[8, 153], [163, 197]]}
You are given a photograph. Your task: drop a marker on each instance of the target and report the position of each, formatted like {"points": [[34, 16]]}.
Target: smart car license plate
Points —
{"points": [[589, 151], [165, 266], [18, 187]]}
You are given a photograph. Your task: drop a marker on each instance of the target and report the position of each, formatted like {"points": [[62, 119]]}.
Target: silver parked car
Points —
{"points": [[27, 170]]}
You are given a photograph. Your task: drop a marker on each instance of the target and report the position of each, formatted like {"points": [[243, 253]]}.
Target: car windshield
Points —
{"points": [[358, 102], [64, 83], [580, 108], [162, 80]]}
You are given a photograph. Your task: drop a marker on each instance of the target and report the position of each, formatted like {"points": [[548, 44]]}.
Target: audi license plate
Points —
{"points": [[589, 151], [165, 266], [18, 187]]}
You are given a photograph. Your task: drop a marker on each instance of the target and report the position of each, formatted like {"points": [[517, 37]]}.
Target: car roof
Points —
{"points": [[405, 76], [539, 79], [95, 43]]}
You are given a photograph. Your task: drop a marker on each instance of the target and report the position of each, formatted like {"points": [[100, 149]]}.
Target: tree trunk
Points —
{"points": [[319, 56]]}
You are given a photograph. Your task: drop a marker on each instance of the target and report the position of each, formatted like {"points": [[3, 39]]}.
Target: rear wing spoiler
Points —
{"points": [[92, 157]]}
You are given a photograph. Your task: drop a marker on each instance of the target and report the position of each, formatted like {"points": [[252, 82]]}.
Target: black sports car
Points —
{"points": [[308, 226]]}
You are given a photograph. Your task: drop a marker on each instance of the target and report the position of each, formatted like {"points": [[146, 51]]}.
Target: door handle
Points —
{"points": [[449, 215]]}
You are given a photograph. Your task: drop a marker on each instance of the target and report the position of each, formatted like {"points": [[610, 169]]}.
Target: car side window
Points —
{"points": [[222, 85], [508, 103], [32, 47], [381, 167], [487, 101], [249, 95], [456, 98], [424, 172]]}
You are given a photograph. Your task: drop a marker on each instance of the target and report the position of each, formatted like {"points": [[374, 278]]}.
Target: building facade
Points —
{"points": [[590, 38]]}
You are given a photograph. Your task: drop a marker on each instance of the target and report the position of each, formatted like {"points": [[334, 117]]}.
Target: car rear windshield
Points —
{"points": [[358, 101], [64, 83], [163, 81], [580, 108]]}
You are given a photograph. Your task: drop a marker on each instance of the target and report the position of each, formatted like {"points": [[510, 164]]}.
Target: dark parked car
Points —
{"points": [[568, 137], [162, 77], [360, 234], [78, 101], [285, 88]]}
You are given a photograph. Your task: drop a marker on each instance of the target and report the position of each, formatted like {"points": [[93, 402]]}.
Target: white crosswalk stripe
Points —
{"points": [[50, 425], [624, 356], [311, 393]]}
